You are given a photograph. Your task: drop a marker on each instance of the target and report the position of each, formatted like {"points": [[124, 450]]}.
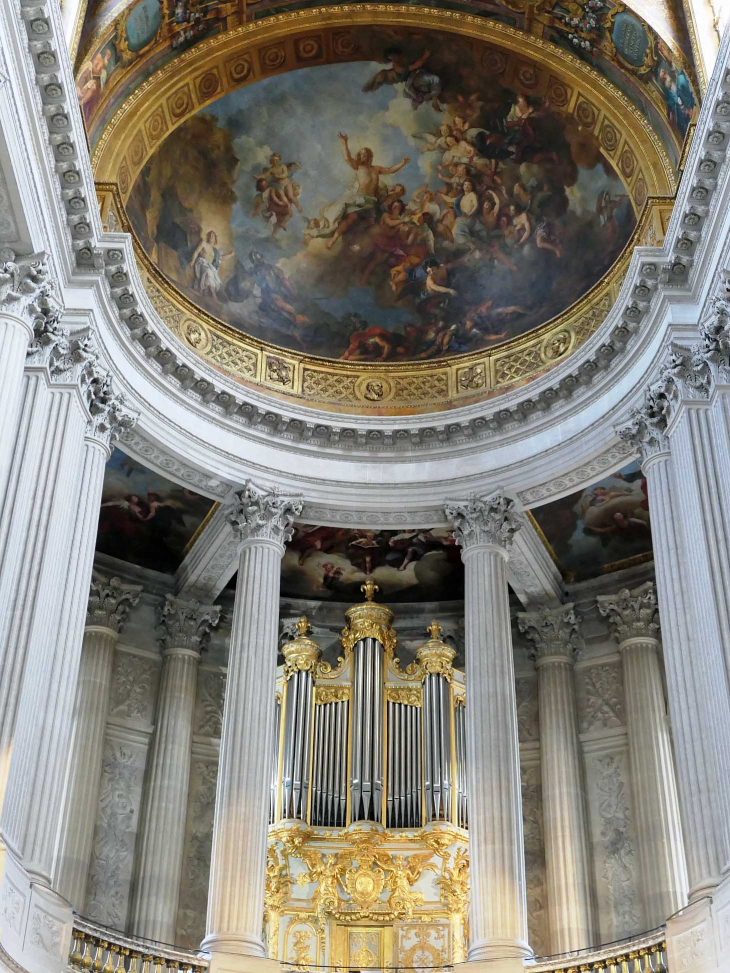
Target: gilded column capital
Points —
{"points": [[435, 657], [481, 521], [632, 614], [554, 634], [110, 600], [301, 653], [24, 282], [265, 515], [185, 624]]}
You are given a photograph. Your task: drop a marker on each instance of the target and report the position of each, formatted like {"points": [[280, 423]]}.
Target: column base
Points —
{"points": [[35, 922], [236, 963], [699, 938]]}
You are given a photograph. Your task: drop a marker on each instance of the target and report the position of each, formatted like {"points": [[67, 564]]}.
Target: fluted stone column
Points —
{"points": [[699, 706], [24, 286], [484, 529], [43, 622], [555, 639], [184, 631], [108, 607], [262, 520], [663, 869]]}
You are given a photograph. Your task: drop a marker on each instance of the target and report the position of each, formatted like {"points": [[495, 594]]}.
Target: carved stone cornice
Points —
{"points": [[185, 624], [481, 521], [632, 614], [263, 515], [110, 601], [24, 282], [301, 654], [554, 634]]}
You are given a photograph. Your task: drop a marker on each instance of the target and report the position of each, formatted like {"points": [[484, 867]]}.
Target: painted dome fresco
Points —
{"points": [[356, 212]]}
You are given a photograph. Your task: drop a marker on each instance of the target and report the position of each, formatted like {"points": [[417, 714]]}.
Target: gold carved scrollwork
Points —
{"points": [[407, 695], [369, 621], [276, 892], [301, 654], [454, 882], [459, 699], [435, 657], [331, 694]]}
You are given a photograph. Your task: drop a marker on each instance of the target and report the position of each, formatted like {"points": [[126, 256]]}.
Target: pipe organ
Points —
{"points": [[367, 846]]}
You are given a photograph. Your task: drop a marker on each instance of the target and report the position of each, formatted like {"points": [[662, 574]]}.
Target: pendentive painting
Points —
{"points": [[601, 528], [397, 208], [145, 518], [409, 565]]}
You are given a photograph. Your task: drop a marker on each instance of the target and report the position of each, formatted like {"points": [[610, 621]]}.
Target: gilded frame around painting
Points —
{"points": [[260, 49]]}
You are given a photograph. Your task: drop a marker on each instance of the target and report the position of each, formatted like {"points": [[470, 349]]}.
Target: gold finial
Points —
{"points": [[302, 626], [369, 589], [435, 630]]}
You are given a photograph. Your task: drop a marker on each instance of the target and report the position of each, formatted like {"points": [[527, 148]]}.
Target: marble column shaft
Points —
{"points": [[18, 309], [699, 706], [498, 923], [37, 777], [554, 635], [184, 631], [108, 607], [238, 863], [663, 869]]}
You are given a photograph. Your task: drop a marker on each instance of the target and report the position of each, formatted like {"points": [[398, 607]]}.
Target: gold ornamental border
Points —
{"points": [[323, 35]]}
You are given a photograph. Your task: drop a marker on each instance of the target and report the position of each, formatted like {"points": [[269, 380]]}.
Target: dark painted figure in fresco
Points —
{"points": [[447, 214]]}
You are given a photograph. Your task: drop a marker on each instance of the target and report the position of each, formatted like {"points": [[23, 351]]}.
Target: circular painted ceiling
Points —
{"points": [[388, 216]]}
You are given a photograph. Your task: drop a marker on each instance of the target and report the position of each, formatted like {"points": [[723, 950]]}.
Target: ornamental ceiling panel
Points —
{"points": [[391, 217]]}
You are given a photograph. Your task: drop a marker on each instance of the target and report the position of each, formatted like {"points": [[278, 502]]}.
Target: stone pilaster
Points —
{"points": [[184, 631], [555, 639], [109, 604], [24, 285], [484, 529], [43, 620], [699, 707], [262, 520], [663, 869]]}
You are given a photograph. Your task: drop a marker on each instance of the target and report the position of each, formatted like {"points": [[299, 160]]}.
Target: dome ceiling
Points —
{"points": [[388, 217]]}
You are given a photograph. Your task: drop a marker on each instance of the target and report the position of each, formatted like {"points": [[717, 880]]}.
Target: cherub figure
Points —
{"points": [[420, 85], [403, 874], [278, 174]]}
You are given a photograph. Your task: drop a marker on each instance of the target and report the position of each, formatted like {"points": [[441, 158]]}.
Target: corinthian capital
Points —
{"points": [[186, 624], [108, 417], [632, 614], [646, 430], [484, 520], [554, 633], [110, 601], [24, 281], [263, 514], [714, 347]]}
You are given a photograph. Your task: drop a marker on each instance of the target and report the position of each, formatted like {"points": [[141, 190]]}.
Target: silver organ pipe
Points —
{"points": [[435, 658], [329, 777], [403, 758], [366, 779], [301, 655], [462, 819], [275, 737]]}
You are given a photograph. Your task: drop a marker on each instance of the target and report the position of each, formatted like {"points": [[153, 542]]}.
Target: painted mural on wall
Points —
{"points": [[145, 518], [411, 207], [410, 565], [601, 528]]}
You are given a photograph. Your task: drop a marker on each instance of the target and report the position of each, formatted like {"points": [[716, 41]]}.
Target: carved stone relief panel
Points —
{"points": [[196, 856], [600, 696], [209, 702], [537, 917], [112, 857], [614, 845], [134, 687], [528, 724]]}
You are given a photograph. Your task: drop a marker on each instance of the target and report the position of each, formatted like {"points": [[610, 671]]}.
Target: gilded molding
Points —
{"points": [[331, 694], [369, 621], [406, 695], [301, 653], [435, 657]]}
